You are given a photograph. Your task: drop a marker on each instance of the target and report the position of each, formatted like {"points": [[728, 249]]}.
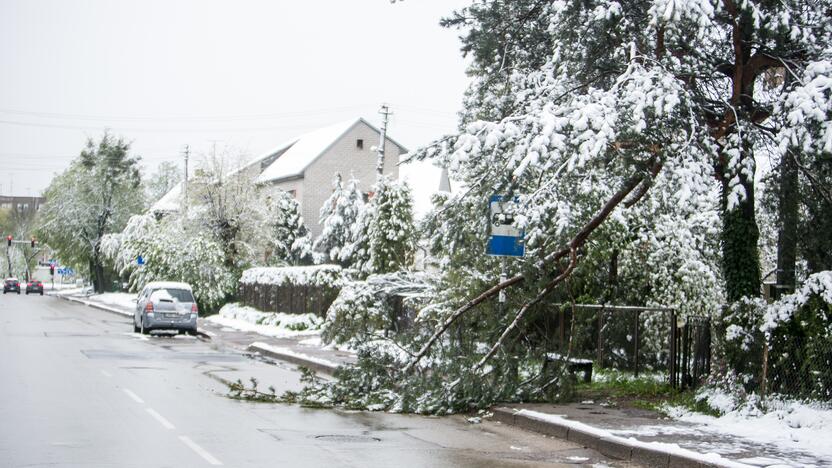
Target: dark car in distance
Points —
{"points": [[33, 287], [11, 285]]}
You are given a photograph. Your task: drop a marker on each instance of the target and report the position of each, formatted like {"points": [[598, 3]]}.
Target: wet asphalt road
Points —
{"points": [[78, 389]]}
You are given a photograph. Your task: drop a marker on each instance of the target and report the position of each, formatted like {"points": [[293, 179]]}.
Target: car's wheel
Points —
{"points": [[142, 329], [136, 328], [41, 293]]}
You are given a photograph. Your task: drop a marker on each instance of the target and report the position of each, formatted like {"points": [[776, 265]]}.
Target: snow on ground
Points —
{"points": [[276, 324], [787, 424], [123, 300], [72, 291], [712, 458]]}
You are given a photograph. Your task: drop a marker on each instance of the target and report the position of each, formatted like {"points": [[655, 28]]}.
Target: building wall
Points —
{"points": [[350, 161], [22, 204]]}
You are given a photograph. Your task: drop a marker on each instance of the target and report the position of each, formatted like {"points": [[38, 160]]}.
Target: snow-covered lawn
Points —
{"points": [[788, 425], [276, 324]]}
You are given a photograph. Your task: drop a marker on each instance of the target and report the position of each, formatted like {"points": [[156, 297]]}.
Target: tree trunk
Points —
{"points": [[740, 259], [787, 223], [97, 271]]}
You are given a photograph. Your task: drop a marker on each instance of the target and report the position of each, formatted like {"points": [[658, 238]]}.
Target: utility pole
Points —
{"points": [[385, 112], [185, 182]]}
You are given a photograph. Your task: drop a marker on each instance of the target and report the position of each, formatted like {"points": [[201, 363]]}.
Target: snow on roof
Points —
{"points": [[168, 285], [259, 159], [169, 201], [304, 151]]}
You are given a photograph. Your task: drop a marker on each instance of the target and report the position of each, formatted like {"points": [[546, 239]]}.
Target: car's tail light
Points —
{"points": [[148, 307], [194, 308]]}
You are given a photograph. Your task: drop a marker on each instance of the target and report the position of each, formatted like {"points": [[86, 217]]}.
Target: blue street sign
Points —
{"points": [[140, 260], [506, 240]]}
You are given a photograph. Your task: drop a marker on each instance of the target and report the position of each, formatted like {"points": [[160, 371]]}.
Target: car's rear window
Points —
{"points": [[181, 295]]}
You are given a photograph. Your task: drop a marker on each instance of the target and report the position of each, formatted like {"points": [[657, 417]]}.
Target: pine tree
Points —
{"points": [[288, 237], [385, 234], [339, 215]]}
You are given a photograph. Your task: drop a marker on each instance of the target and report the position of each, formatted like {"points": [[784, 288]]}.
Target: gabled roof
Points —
{"points": [[170, 201], [307, 148]]}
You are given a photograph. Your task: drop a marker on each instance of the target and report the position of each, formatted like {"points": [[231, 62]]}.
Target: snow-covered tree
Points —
{"points": [[165, 178], [95, 196], [227, 204], [629, 132], [385, 233], [173, 251], [287, 237], [339, 216]]}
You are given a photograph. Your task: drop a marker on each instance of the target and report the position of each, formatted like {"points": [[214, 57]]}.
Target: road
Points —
{"points": [[78, 389]]}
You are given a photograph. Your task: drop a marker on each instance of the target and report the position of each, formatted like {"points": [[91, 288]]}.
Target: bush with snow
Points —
{"points": [[268, 323], [322, 276]]}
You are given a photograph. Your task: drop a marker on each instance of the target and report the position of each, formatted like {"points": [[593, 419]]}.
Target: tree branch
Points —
{"points": [[576, 242]]}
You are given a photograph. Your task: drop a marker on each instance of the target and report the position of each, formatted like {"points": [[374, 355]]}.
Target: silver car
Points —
{"points": [[163, 305]]}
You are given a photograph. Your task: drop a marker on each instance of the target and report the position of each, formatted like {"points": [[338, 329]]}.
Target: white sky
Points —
{"points": [[246, 74]]}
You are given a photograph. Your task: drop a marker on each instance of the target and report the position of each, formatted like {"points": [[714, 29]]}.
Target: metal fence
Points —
{"points": [[797, 366], [690, 352], [632, 339]]}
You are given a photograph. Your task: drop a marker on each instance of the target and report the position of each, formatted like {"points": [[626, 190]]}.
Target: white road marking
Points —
{"points": [[164, 422], [133, 396], [200, 451], [105, 373]]}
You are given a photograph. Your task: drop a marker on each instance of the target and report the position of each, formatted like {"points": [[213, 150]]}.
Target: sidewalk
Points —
{"points": [[646, 437]]}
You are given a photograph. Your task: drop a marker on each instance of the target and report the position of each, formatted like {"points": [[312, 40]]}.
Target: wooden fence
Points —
{"points": [[288, 298]]}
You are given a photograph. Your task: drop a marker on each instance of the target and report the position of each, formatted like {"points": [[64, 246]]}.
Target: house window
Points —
{"points": [[359, 143], [293, 193]]}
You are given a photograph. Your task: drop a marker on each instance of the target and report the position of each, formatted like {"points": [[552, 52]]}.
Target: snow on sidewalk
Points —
{"points": [[790, 426], [126, 301], [712, 458], [280, 350]]}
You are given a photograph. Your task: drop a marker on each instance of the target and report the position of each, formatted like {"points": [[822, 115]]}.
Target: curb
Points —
{"points": [[612, 447], [114, 310], [315, 365]]}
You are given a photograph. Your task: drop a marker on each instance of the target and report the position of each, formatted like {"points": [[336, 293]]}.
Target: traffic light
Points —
{"points": [[52, 270], [33, 242], [9, 239]]}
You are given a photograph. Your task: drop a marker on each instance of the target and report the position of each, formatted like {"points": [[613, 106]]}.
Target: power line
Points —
{"points": [[193, 118]]}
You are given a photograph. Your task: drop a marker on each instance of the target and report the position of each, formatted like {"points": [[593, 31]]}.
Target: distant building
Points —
{"points": [[305, 166], [22, 205]]}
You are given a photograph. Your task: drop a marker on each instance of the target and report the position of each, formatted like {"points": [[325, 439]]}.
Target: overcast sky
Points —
{"points": [[244, 74]]}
